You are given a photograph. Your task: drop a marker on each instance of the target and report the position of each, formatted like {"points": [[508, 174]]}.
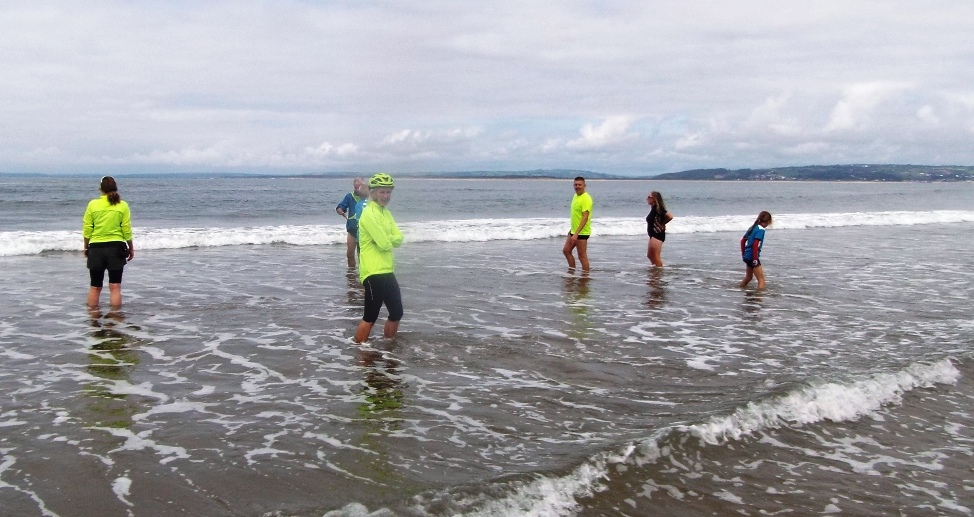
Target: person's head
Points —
{"points": [[360, 186], [764, 219], [110, 188], [656, 199], [579, 185], [380, 188]]}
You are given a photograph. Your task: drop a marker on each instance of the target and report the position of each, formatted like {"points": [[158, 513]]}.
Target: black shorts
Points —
{"points": [[382, 289], [658, 236], [749, 262], [105, 256], [580, 237]]}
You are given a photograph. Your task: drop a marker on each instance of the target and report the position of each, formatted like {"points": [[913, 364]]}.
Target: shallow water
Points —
{"points": [[229, 385]]}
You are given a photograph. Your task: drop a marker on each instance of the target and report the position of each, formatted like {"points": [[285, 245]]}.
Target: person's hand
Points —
{"points": [[85, 251], [131, 255]]}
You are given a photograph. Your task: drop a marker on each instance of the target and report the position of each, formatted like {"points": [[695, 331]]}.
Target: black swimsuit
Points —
{"points": [[651, 228]]}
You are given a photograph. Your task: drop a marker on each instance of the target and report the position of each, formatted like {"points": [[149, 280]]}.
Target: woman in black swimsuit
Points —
{"points": [[656, 227]]}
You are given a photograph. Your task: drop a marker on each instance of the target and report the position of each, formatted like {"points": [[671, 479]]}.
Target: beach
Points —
{"points": [[229, 384]]}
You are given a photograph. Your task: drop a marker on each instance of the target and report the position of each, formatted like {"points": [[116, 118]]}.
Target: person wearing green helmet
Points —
{"points": [[378, 235]]}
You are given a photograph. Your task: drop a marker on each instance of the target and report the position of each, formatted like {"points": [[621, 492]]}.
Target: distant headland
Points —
{"points": [[853, 172], [856, 172]]}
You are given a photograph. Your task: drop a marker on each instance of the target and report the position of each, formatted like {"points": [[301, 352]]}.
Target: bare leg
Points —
{"points": [[655, 250], [582, 246], [567, 250], [363, 331], [759, 274], [350, 244], [390, 329], [93, 294], [115, 295], [748, 275]]}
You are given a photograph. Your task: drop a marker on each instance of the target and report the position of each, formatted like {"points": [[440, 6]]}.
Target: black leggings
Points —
{"points": [[98, 277], [379, 289]]}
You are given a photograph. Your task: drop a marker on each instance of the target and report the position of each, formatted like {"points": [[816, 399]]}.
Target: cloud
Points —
{"points": [[440, 85], [420, 137], [326, 149], [928, 115], [611, 131], [858, 103]]}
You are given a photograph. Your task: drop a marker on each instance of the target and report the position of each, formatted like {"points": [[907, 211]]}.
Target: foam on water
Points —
{"points": [[805, 406], [14, 243], [512, 387]]}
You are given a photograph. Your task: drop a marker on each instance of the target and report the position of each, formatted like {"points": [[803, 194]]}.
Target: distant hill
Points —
{"points": [[855, 172], [537, 173]]}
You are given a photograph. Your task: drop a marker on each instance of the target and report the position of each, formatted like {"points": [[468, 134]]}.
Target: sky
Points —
{"points": [[619, 87]]}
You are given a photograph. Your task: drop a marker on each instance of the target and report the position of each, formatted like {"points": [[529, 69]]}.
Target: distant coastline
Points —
{"points": [[852, 172], [855, 172]]}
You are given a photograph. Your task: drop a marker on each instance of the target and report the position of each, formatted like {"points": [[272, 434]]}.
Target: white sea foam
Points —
{"points": [[833, 401], [829, 401], [464, 230]]}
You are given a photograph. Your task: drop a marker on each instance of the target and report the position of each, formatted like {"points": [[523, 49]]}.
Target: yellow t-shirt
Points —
{"points": [[582, 203]]}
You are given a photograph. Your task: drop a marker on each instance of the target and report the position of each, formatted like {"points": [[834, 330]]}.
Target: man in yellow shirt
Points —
{"points": [[377, 236], [581, 215]]}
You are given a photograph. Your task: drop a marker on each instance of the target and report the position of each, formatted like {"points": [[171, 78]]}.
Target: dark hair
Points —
{"points": [[109, 187], [579, 178], [763, 217], [660, 205]]}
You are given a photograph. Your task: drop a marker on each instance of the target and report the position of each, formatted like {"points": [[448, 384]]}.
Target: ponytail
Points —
{"points": [[110, 188], [763, 217]]}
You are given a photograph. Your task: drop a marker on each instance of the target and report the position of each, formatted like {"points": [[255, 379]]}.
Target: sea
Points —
{"points": [[228, 384]]}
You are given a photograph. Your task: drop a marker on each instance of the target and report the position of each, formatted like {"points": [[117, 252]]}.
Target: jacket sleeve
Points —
{"points": [[396, 235], [86, 223], [126, 223], [383, 230]]}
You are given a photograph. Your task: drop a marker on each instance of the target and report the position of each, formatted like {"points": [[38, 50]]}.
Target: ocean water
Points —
{"points": [[229, 384]]}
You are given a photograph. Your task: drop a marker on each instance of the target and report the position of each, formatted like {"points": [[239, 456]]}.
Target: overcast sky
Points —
{"points": [[635, 87]]}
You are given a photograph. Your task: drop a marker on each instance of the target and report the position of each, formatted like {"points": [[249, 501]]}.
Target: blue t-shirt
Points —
{"points": [[348, 206], [756, 234], [357, 212]]}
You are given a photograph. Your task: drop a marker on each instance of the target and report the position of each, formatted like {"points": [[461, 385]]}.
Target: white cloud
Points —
{"points": [[326, 149], [443, 85], [418, 137], [859, 101], [612, 130], [928, 115]]}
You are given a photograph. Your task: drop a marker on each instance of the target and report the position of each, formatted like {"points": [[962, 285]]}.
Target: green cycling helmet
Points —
{"points": [[381, 180]]}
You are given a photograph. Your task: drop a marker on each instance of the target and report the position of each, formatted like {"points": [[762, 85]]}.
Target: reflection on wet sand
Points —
{"points": [[576, 299], [753, 303], [383, 390], [111, 358], [383, 398], [656, 292]]}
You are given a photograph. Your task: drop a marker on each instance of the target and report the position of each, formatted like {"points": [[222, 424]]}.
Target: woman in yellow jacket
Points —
{"points": [[106, 228], [377, 236]]}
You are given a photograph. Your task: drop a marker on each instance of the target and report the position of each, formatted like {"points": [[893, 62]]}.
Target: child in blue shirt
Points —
{"points": [[751, 245]]}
